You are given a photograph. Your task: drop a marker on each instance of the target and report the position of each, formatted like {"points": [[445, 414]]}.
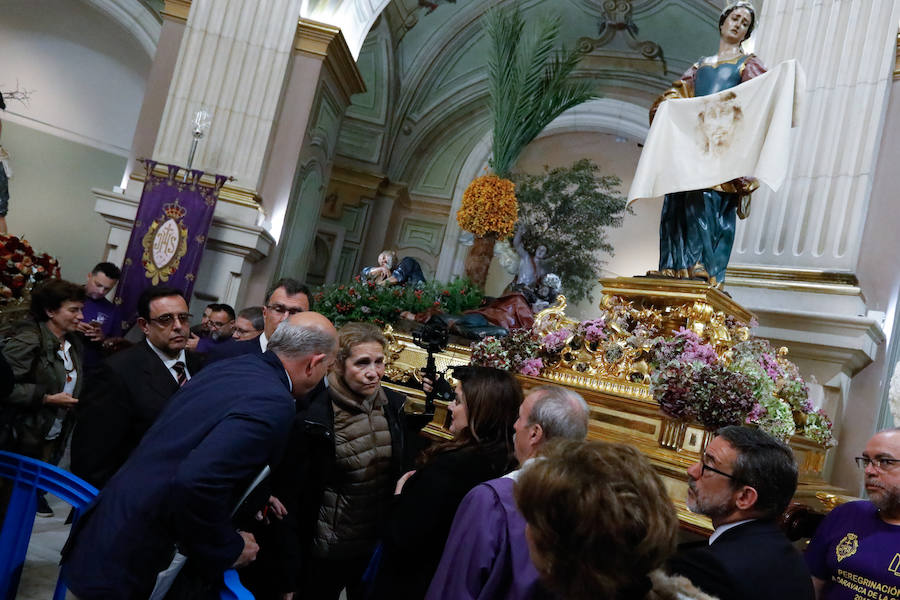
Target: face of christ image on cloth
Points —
{"points": [[720, 122]]}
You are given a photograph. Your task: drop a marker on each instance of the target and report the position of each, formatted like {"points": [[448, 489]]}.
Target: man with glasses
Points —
{"points": [[130, 388], [178, 490], [249, 323], [743, 482], [856, 550], [221, 326], [284, 298]]}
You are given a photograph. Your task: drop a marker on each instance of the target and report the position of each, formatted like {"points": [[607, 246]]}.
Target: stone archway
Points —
{"points": [[604, 115]]}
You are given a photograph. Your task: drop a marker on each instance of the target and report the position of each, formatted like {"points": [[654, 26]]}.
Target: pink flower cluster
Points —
{"points": [[556, 340], [532, 367], [594, 331], [695, 350], [770, 365]]}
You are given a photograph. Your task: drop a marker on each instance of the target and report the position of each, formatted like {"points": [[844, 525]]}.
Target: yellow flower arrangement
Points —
{"points": [[489, 207]]}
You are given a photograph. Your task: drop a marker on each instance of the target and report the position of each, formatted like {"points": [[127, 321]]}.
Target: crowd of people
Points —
{"points": [[274, 448]]}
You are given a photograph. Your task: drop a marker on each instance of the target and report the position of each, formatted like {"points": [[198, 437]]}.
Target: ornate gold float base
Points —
{"points": [[622, 409]]}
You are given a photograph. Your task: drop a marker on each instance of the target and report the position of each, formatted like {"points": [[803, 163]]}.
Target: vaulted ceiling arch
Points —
{"points": [[137, 18]]}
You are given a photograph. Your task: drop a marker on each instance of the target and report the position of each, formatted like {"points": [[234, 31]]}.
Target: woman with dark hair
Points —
{"points": [[483, 413], [45, 356], [600, 524]]}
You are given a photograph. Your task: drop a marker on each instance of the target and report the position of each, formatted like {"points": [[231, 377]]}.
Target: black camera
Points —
{"points": [[433, 338]]}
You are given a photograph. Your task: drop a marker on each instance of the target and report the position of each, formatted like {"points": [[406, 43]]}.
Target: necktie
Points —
{"points": [[180, 371]]}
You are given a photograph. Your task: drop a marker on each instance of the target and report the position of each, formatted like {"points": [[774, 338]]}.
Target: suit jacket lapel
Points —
{"points": [[159, 378]]}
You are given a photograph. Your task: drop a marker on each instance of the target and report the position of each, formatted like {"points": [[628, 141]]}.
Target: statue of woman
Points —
{"points": [[696, 230]]}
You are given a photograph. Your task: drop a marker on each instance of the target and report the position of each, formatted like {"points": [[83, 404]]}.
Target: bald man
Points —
{"points": [[856, 550], [181, 484]]}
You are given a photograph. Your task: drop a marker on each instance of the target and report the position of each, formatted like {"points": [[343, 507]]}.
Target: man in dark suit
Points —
{"points": [[743, 482], [180, 486], [284, 298], [129, 390]]}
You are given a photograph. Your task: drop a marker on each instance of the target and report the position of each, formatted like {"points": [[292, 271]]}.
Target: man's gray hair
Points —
{"points": [[295, 341], [560, 412]]}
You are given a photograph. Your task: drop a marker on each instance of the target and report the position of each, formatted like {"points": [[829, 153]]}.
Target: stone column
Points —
{"points": [[175, 16], [276, 92], [232, 62], [796, 258], [322, 79], [847, 48]]}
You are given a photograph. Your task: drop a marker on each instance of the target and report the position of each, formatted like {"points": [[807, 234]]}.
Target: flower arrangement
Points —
{"points": [[555, 341], [518, 352], [21, 267], [749, 384], [529, 84], [593, 331], [489, 207], [369, 302]]}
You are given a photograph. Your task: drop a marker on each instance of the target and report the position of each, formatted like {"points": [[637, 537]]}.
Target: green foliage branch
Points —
{"points": [[567, 210], [368, 302]]}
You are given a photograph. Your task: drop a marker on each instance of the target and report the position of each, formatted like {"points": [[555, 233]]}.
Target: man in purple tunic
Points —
{"points": [[486, 555], [856, 550]]}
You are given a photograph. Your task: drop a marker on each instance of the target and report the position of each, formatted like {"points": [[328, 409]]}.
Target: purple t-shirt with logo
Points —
{"points": [[100, 310], [857, 554]]}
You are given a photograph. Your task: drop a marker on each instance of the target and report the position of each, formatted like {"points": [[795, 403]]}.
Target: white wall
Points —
{"points": [[86, 71]]}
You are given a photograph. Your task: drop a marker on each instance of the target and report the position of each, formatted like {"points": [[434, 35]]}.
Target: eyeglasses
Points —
{"points": [[882, 464], [240, 331], [705, 467], [281, 309], [167, 319]]}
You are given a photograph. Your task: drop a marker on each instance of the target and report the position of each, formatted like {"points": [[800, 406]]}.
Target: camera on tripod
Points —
{"points": [[433, 338]]}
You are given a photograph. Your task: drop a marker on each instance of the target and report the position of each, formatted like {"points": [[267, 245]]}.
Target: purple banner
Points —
{"points": [[167, 239]]}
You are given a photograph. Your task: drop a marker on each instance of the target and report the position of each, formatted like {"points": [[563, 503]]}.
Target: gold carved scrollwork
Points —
{"points": [[632, 322], [621, 357], [393, 371]]}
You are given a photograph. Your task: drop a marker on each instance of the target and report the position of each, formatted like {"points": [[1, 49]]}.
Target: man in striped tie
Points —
{"points": [[125, 395]]}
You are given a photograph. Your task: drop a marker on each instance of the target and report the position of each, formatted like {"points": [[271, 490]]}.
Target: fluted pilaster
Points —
{"points": [[233, 63], [847, 48]]}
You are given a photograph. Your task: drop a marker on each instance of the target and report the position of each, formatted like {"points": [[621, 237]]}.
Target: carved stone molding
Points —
{"points": [[177, 10], [618, 46], [327, 42]]}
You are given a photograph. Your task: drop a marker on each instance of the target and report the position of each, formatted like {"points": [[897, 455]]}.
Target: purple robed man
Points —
{"points": [[486, 555]]}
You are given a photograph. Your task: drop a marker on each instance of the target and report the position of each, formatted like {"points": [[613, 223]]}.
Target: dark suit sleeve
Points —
{"points": [[703, 569], [105, 415], [204, 486], [6, 378]]}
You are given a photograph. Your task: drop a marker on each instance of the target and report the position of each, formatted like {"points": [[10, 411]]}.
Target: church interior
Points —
{"points": [[347, 127]]}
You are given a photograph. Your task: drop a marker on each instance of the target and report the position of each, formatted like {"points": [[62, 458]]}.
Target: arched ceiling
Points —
{"points": [[425, 72], [139, 18]]}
